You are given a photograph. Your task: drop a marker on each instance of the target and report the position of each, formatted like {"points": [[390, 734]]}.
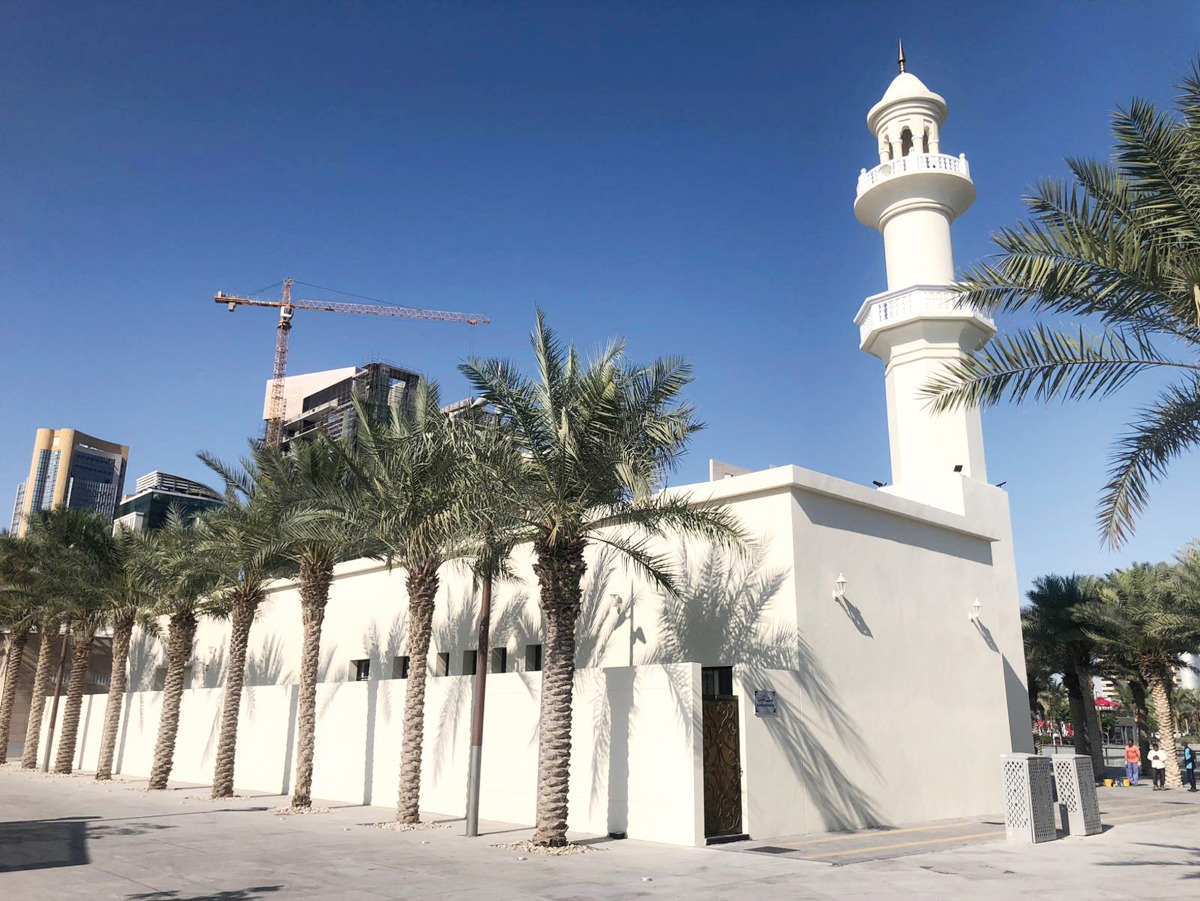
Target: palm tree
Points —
{"points": [[1144, 616], [19, 614], [48, 626], [410, 484], [1120, 245], [598, 440], [311, 493], [1054, 702], [92, 565], [181, 577], [1053, 628], [59, 541], [1132, 690], [129, 599], [1186, 703], [243, 540]]}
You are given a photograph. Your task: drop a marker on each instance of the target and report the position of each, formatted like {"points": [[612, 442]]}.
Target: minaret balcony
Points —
{"points": [[914, 162], [919, 178], [892, 308]]}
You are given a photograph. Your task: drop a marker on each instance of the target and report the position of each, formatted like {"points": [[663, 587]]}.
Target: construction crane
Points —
{"points": [[287, 306]]}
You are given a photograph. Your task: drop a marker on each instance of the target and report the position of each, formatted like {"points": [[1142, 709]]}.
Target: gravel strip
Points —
{"points": [[528, 847], [298, 811], [394, 826]]}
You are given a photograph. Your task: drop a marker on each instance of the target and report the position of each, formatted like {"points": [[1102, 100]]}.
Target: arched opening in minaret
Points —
{"points": [[886, 151], [906, 142], [925, 141]]}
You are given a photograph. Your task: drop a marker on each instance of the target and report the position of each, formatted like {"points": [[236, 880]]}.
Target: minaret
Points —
{"points": [[916, 326]]}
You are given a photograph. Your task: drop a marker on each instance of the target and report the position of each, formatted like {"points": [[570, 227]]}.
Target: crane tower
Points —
{"points": [[287, 306]]}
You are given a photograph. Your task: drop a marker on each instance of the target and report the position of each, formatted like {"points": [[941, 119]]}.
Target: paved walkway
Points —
{"points": [[1117, 807], [69, 836]]}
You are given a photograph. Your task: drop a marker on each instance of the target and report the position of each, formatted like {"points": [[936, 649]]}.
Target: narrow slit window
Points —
{"points": [[443, 664], [469, 662], [361, 670], [400, 667], [533, 658], [499, 660]]}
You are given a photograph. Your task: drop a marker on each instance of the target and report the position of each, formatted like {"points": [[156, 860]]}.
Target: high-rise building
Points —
{"points": [[322, 401], [74, 470], [156, 492]]}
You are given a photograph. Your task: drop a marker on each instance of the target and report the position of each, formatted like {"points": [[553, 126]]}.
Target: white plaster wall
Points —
{"points": [[871, 690], [635, 766], [917, 247], [897, 670], [366, 617]]}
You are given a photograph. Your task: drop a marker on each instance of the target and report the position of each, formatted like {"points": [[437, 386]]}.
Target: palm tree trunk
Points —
{"points": [[241, 618], [14, 656], [179, 651], [1078, 713], [80, 652], [122, 632], [1141, 716], [37, 703], [315, 578], [422, 585], [1092, 717], [560, 569], [1160, 700]]}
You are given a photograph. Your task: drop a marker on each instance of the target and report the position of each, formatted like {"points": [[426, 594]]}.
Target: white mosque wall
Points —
{"points": [[892, 702], [635, 767], [900, 702]]}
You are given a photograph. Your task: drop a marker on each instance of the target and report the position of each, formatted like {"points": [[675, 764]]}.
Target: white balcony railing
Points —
{"points": [[914, 162], [909, 303]]}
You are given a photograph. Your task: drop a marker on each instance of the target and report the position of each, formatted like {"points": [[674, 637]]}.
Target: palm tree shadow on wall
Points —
{"points": [[454, 634], [381, 651], [519, 625], [721, 618], [145, 652], [596, 626], [214, 669], [264, 666]]}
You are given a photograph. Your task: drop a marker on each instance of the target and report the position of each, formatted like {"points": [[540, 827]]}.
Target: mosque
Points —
{"points": [[804, 690]]}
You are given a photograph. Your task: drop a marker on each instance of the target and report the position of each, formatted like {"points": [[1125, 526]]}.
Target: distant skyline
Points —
{"points": [[682, 174]]}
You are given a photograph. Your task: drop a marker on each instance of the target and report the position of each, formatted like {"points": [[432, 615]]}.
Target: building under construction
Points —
{"points": [[322, 402]]}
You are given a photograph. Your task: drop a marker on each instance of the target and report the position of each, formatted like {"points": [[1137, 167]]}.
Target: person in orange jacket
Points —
{"points": [[1133, 762]]}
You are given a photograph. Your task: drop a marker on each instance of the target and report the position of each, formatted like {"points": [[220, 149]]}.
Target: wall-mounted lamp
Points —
{"points": [[975, 610], [839, 588]]}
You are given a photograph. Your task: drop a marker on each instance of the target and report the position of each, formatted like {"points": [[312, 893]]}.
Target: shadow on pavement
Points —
{"points": [[46, 844], [43, 844], [241, 894], [1190, 859]]}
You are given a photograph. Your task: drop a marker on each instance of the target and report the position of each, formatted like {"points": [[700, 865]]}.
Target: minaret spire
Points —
{"points": [[901, 59]]}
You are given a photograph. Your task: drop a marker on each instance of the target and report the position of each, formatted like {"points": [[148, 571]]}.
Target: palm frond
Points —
{"points": [[1163, 430], [1044, 365]]}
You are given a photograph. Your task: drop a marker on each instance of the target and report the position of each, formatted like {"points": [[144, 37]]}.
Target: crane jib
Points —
{"points": [[286, 306]]}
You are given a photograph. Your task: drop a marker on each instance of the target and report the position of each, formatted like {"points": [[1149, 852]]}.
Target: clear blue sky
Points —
{"points": [[679, 173]]}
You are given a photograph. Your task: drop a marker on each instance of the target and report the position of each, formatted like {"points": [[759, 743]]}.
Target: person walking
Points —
{"points": [[1158, 765], [1189, 766], [1133, 762]]}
